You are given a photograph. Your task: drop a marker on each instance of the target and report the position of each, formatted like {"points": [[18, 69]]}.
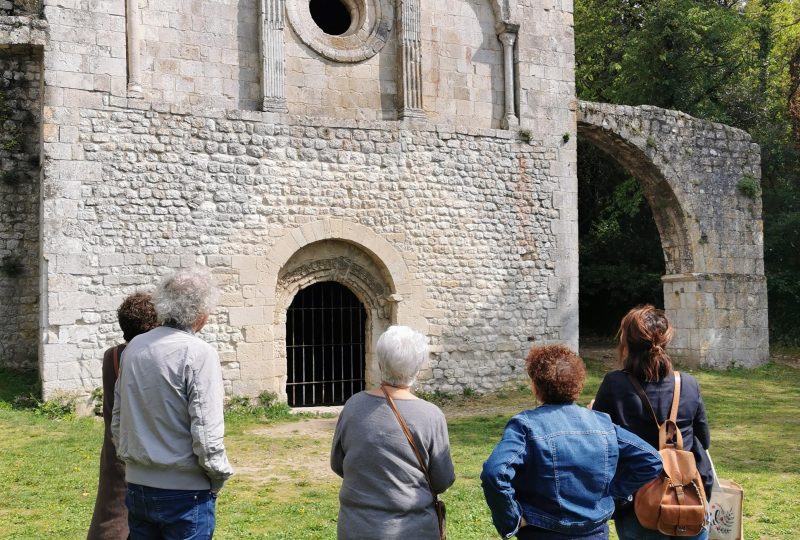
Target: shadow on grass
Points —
{"points": [[20, 389]]}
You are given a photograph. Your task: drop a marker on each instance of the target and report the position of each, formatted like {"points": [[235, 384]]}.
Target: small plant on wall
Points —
{"points": [[749, 187]]}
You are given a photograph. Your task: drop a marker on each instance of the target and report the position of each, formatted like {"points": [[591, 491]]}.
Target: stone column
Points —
{"points": [[411, 59], [510, 119], [132, 23], [273, 61], [720, 320]]}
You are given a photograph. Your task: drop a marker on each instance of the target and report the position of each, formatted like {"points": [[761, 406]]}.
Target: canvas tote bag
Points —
{"points": [[727, 498]]}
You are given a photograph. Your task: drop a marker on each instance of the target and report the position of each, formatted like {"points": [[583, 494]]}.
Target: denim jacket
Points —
{"points": [[561, 467]]}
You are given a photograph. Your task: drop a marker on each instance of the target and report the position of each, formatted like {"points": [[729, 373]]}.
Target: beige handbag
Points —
{"points": [[727, 500]]}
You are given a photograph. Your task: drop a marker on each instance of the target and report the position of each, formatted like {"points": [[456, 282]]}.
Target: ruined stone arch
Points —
{"points": [[711, 231]]}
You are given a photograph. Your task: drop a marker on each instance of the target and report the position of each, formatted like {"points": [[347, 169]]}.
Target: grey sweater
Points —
{"points": [[384, 493], [168, 422]]}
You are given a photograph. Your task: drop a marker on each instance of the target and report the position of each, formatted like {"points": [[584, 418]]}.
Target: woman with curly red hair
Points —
{"points": [[558, 468]]}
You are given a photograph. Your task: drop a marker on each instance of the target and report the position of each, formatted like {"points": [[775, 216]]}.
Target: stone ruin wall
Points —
{"points": [[482, 221], [711, 229], [20, 115]]}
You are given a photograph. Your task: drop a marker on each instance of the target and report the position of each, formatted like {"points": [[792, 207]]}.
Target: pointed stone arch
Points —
{"points": [[711, 231]]}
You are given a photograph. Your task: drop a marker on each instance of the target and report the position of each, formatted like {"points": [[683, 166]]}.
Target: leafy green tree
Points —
{"points": [[731, 61]]}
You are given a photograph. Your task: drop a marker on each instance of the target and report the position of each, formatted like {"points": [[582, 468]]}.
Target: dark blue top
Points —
{"points": [[617, 397]]}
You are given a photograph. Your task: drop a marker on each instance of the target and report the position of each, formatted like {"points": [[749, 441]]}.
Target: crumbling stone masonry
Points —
{"points": [[701, 181], [422, 154], [21, 43]]}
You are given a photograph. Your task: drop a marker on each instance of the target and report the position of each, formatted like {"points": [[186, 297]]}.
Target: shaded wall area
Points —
{"points": [[20, 106]]}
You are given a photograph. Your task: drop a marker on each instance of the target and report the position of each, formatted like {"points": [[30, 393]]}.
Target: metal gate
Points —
{"points": [[324, 345]]}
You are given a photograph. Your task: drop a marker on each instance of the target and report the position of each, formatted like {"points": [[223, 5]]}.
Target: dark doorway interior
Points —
{"points": [[621, 259], [325, 336]]}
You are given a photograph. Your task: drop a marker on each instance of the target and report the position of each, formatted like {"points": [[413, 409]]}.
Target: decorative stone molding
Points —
{"points": [[410, 45], [273, 61], [372, 23]]}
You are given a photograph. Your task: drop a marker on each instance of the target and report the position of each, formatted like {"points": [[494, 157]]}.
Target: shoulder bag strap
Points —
{"points": [[643, 397], [437, 505], [410, 438], [116, 361]]}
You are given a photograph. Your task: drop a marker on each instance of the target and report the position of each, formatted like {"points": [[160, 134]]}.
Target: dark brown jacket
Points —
{"points": [[110, 518]]}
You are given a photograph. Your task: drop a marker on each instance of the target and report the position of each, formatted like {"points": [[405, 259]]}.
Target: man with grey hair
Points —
{"points": [[168, 422]]}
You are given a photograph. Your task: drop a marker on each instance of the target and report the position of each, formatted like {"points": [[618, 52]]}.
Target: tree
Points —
{"points": [[725, 60]]}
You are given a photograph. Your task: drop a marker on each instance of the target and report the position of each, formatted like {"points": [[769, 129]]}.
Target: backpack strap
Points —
{"points": [[116, 361], [669, 430]]}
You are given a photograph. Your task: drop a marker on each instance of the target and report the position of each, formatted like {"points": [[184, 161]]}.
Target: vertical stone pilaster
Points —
{"points": [[273, 61], [410, 59], [510, 119], [132, 29]]}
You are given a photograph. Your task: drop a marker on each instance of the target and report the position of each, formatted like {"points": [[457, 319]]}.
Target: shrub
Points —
{"points": [[749, 187]]}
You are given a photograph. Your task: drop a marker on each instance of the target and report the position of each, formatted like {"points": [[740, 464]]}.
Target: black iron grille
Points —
{"points": [[324, 345]]}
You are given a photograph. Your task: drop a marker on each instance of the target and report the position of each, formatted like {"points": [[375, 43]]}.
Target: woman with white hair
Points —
{"points": [[385, 493]]}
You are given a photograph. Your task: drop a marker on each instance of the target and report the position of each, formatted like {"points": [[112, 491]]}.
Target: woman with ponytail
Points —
{"points": [[643, 337]]}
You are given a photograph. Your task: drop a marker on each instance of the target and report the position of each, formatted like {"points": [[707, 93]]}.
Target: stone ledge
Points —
{"points": [[15, 31], [704, 276], [412, 125]]}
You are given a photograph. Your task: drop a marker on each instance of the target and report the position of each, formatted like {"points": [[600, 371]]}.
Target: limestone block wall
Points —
{"points": [[20, 114], [469, 212], [463, 78], [200, 52], [547, 107]]}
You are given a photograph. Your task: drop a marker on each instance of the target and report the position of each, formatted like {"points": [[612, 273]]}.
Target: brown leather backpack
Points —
{"points": [[674, 503]]}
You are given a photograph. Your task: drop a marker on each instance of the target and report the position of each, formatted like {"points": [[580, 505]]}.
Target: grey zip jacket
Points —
{"points": [[168, 423]]}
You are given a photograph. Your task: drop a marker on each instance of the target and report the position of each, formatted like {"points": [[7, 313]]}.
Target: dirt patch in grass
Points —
{"points": [[295, 453]]}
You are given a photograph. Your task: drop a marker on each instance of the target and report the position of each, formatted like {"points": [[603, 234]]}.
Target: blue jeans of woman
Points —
{"points": [[534, 533], [628, 528], [170, 514]]}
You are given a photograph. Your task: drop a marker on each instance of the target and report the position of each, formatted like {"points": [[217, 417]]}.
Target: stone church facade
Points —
{"points": [[340, 165]]}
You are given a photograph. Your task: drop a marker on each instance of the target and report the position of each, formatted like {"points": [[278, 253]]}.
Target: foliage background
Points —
{"points": [[729, 61]]}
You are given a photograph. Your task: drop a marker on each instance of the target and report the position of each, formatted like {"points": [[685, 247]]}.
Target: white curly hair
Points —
{"points": [[401, 351], [184, 296]]}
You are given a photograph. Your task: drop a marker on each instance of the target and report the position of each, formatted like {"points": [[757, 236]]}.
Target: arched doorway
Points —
{"points": [[325, 345]]}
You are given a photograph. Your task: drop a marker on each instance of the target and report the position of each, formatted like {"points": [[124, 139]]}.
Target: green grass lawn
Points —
{"points": [[283, 490]]}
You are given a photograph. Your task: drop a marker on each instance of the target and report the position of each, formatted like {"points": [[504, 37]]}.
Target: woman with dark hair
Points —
{"points": [[558, 468], [643, 337], [136, 315]]}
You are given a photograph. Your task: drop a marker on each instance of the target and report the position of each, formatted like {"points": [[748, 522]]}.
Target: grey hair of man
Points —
{"points": [[402, 351], [185, 296]]}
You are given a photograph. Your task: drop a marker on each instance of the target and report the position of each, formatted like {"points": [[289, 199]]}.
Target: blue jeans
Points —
{"points": [[170, 514], [628, 528], [534, 533]]}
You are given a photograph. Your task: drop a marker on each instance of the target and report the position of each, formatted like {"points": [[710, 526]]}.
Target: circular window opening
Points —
{"points": [[332, 16]]}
